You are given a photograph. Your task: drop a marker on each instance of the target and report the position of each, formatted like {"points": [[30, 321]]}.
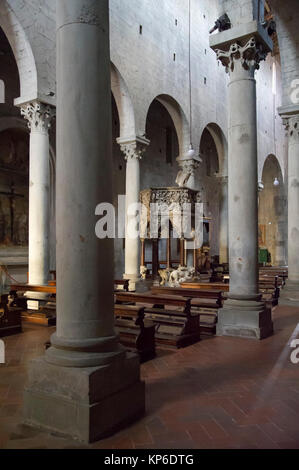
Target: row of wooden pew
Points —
{"points": [[166, 316]]}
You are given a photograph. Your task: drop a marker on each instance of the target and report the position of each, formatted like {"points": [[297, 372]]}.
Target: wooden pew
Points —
{"points": [[268, 288], [46, 314], [10, 318], [206, 302], [135, 331], [124, 283], [177, 326], [282, 273]]}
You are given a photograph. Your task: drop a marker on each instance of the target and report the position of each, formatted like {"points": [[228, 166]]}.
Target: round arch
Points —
{"points": [[214, 149], [179, 119], [124, 104], [221, 146], [272, 162], [272, 211], [21, 49]]}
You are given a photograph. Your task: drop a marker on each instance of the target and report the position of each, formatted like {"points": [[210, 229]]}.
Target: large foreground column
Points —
{"points": [[39, 118], [291, 290], [244, 314], [133, 150], [223, 220], [84, 385]]}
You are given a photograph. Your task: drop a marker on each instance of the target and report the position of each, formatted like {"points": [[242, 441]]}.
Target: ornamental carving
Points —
{"points": [[188, 168], [133, 150], [249, 55], [292, 126], [88, 16], [39, 116]]}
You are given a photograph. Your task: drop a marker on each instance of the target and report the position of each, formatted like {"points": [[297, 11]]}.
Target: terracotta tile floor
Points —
{"points": [[220, 393]]}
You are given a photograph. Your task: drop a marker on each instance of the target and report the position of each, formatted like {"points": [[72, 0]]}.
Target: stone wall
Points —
{"points": [[149, 48]]}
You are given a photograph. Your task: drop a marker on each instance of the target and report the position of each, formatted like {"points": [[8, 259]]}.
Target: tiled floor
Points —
{"points": [[220, 393]]}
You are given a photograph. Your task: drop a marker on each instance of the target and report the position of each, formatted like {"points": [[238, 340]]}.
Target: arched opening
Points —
{"points": [[119, 187], [272, 214], [14, 193], [213, 180], [159, 168], [14, 172], [123, 103], [21, 50]]}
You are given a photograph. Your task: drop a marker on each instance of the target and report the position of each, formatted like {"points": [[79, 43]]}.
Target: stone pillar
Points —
{"points": [[84, 385], [133, 151], [223, 219], [244, 314], [39, 118], [291, 290]]}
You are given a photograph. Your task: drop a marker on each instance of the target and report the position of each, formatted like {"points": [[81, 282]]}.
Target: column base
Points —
{"points": [[133, 280], [86, 404], [245, 319], [289, 295]]}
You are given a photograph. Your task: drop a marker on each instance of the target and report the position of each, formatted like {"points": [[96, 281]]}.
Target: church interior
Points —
{"points": [[115, 334]]}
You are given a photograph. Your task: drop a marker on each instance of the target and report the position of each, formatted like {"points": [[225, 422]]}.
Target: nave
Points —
{"points": [[231, 407]]}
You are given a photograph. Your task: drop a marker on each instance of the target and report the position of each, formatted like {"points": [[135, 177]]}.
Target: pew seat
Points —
{"points": [[134, 331], [175, 324]]}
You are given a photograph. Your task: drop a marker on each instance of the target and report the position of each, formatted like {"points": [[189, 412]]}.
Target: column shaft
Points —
{"points": [[293, 199], [84, 385], [243, 202], [244, 314], [133, 150], [39, 117], [85, 264], [223, 221], [132, 253]]}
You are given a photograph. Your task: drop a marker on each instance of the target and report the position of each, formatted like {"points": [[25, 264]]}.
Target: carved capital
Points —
{"points": [[291, 124], [248, 56], [134, 149], [88, 16], [39, 116], [188, 169]]}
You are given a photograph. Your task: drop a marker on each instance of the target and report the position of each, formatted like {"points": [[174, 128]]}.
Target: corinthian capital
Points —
{"points": [[291, 124], [39, 116], [133, 148], [248, 56]]}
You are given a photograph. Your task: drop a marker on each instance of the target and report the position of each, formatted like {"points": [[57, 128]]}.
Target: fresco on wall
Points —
{"points": [[14, 170]]}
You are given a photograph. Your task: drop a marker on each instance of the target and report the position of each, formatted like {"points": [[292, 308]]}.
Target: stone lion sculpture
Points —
{"points": [[181, 275], [164, 275], [143, 272]]}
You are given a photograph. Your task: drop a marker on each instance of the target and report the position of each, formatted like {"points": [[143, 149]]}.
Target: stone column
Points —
{"points": [[223, 219], [244, 314], [133, 151], [291, 290], [39, 118], [84, 385]]}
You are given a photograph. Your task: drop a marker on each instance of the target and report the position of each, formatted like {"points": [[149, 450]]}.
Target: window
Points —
{"points": [[2, 92]]}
